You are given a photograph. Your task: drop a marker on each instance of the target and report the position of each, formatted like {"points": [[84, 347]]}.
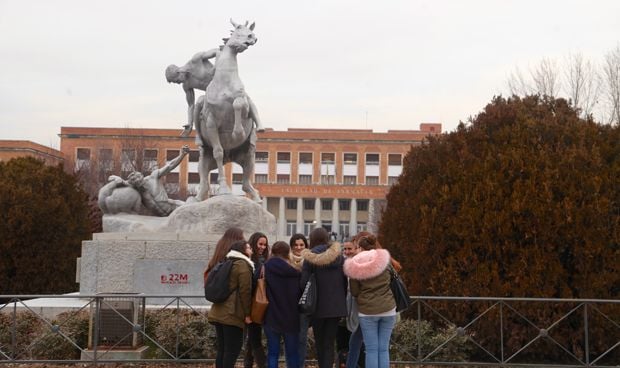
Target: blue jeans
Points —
{"points": [[291, 348], [355, 347], [376, 332], [304, 324]]}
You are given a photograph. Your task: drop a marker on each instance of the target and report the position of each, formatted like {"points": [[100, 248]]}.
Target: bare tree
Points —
{"points": [[582, 83], [545, 77], [543, 80], [518, 85], [611, 81]]}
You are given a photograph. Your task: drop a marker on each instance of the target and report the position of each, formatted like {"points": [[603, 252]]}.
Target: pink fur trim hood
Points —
{"points": [[367, 264]]}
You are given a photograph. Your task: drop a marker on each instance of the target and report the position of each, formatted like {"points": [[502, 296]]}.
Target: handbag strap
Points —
{"points": [[261, 274], [393, 273]]}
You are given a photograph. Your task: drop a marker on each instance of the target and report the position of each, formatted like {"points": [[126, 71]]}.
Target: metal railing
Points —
{"points": [[467, 331]]}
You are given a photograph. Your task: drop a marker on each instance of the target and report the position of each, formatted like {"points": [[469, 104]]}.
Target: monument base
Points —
{"points": [[165, 255]]}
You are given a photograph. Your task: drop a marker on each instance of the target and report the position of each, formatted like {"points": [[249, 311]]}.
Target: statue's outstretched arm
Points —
{"points": [[174, 163], [205, 55]]}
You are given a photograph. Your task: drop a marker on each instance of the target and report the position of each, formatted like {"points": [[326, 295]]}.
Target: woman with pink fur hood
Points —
{"points": [[370, 284]]}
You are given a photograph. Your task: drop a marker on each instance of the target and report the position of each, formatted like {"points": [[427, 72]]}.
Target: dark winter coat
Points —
{"points": [[283, 293], [326, 262]]}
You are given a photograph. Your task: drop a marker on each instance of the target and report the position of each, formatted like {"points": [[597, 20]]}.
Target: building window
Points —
{"points": [[284, 157], [194, 155], [308, 227], [326, 204], [128, 160], [361, 226], [372, 180], [392, 180], [344, 204], [349, 180], [291, 204], [350, 158], [83, 154], [105, 154], [328, 179], [261, 178], [213, 178], [237, 179], [283, 179], [193, 178], [171, 155], [193, 182], [395, 159], [305, 157], [328, 158], [305, 179], [291, 228], [362, 205], [372, 159], [150, 160], [261, 156], [82, 161], [106, 164], [344, 231], [309, 204], [172, 183]]}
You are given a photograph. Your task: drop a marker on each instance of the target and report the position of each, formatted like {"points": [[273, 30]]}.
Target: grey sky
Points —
{"points": [[319, 64]]}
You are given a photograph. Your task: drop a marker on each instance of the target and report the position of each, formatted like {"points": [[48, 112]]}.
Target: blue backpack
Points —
{"points": [[216, 286]]}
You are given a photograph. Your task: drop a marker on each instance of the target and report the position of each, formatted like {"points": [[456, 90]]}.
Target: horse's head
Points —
{"points": [[241, 37]]}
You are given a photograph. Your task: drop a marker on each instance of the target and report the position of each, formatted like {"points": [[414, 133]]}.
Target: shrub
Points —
{"points": [[54, 346], [195, 336], [409, 335]]}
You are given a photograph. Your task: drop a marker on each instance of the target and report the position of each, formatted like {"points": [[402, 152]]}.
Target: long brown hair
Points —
{"points": [[223, 247], [254, 238], [367, 241]]}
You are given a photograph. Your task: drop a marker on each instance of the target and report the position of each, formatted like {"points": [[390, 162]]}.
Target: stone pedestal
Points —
{"points": [[140, 254]]}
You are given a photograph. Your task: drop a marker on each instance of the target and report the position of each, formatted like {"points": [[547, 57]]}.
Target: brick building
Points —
{"points": [[335, 178], [19, 148]]}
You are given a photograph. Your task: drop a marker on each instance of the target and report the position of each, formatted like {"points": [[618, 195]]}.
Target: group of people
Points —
{"points": [[353, 290]]}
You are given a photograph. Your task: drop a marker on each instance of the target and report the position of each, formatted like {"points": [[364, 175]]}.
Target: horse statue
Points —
{"points": [[225, 118]]}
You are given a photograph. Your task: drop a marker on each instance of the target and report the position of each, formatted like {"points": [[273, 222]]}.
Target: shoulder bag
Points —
{"points": [[259, 302], [401, 296], [307, 302]]}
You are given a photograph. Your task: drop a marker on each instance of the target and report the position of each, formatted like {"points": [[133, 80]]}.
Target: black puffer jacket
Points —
{"points": [[326, 262]]}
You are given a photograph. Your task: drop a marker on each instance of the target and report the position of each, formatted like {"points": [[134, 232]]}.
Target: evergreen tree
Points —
{"points": [[523, 202], [43, 220]]}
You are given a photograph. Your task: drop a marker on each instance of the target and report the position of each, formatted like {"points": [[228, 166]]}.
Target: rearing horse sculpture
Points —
{"points": [[226, 117]]}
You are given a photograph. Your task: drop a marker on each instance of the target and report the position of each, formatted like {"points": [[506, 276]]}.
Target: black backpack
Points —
{"points": [[216, 286]]}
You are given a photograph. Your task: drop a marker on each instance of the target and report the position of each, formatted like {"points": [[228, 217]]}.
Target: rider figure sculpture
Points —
{"points": [[197, 73]]}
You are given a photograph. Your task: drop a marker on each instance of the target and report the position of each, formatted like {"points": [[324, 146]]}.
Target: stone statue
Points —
{"points": [[197, 73], [139, 191], [225, 118]]}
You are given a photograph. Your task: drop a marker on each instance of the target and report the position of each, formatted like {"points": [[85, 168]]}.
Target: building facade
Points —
{"points": [[19, 148], [335, 178]]}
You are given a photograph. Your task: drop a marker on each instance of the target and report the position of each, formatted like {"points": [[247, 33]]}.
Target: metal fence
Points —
{"points": [[107, 328]]}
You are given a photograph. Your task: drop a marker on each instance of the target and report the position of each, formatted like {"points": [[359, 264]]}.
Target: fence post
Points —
{"points": [[96, 329], [14, 331], [587, 336]]}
